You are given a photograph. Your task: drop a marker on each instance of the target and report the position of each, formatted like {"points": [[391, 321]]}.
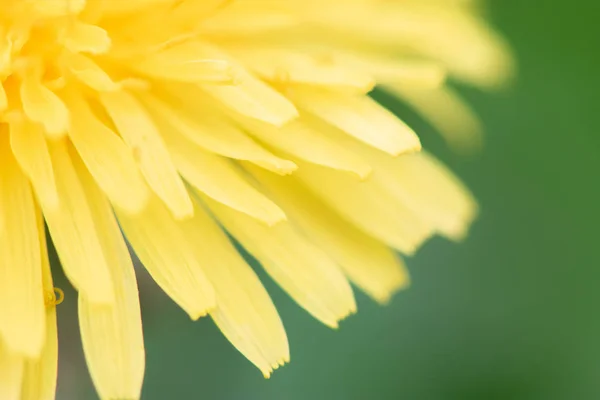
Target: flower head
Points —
{"points": [[167, 123]]}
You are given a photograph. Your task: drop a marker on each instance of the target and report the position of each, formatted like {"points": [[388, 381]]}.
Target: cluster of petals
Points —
{"points": [[171, 126]]}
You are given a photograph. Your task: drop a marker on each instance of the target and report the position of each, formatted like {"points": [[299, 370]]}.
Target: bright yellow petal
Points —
{"points": [[214, 134], [303, 270], [118, 8], [22, 314], [112, 335], [371, 265], [74, 232], [250, 96], [169, 256], [220, 179], [107, 157], [142, 136], [369, 206], [284, 67], [244, 18], [3, 98], [39, 375], [88, 72], [82, 37], [11, 374], [56, 8], [31, 151], [420, 183], [244, 313], [42, 105], [360, 117], [300, 140]]}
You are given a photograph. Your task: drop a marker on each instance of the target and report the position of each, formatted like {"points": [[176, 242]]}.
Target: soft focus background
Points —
{"points": [[509, 314]]}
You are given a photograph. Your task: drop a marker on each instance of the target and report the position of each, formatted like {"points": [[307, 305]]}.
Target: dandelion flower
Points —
{"points": [[166, 123]]}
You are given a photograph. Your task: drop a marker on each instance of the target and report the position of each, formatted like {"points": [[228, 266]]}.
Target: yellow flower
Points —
{"points": [[175, 121]]}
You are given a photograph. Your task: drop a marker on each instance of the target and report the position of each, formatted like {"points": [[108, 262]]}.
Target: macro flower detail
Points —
{"points": [[167, 125]]}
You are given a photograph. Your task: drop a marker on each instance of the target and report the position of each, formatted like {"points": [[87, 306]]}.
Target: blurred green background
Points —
{"points": [[509, 314]]}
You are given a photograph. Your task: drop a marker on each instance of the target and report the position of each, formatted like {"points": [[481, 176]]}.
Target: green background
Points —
{"points": [[509, 314]]}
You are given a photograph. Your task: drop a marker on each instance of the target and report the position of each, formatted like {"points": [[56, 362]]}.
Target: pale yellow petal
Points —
{"points": [[141, 134], [370, 264], [189, 62], [431, 190], [220, 179], [303, 270], [22, 314], [11, 374], [419, 183], [369, 206], [39, 375], [447, 112], [244, 313], [112, 335], [360, 117], [214, 134], [31, 152], [107, 157], [74, 232], [403, 72], [245, 18], [249, 95], [301, 140], [171, 258], [285, 67]]}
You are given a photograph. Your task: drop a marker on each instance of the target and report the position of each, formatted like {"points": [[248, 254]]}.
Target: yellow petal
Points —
{"points": [[31, 151], [286, 67], [369, 206], [82, 37], [140, 133], [244, 313], [186, 62], [88, 72], [22, 315], [370, 264], [39, 375], [250, 96], [447, 112], [171, 258], [112, 335], [218, 178], [213, 134], [119, 8], [431, 190], [3, 98], [419, 183], [74, 232], [360, 117], [56, 8], [107, 157], [403, 72], [42, 105], [244, 18], [11, 374], [300, 140], [309, 276]]}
